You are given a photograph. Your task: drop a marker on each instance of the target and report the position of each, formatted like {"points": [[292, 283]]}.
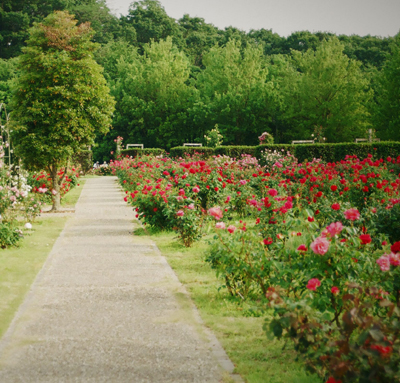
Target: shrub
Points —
{"points": [[9, 235]]}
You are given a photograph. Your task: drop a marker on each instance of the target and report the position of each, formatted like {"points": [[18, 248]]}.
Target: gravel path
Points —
{"points": [[107, 307]]}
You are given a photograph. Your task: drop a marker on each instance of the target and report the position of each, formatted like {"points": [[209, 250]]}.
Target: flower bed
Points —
{"points": [[317, 242]]}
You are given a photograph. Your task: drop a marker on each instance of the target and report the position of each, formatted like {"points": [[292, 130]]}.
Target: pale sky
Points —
{"points": [[361, 17]]}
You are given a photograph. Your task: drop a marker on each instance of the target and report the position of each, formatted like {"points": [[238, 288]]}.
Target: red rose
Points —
{"points": [[333, 187], [335, 206], [395, 248], [365, 239]]}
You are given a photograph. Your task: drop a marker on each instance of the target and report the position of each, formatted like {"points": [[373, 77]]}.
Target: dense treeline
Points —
{"points": [[174, 80]]}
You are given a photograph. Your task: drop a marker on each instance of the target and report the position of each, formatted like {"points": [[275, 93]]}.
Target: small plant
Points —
{"points": [[9, 235], [214, 138]]}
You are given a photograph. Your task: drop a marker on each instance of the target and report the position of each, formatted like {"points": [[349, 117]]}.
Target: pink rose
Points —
{"points": [[320, 246], [231, 228], [394, 259], [335, 290], [384, 262], [216, 212], [334, 228], [273, 192], [196, 189], [191, 206], [220, 225], [313, 284], [180, 213], [352, 214]]}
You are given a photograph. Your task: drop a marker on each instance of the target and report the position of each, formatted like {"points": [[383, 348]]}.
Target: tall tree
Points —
{"points": [[152, 23], [199, 37], [235, 93], [153, 96], [388, 99], [327, 93], [60, 99]]}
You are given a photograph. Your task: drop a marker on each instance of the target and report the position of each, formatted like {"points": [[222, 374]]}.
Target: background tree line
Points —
{"points": [[173, 80]]}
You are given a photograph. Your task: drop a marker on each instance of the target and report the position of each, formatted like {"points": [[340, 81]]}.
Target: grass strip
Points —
{"points": [[236, 323], [71, 198], [20, 265]]}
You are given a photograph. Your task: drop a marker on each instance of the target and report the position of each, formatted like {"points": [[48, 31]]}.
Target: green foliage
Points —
{"points": [[9, 235], [234, 93], [151, 23], [8, 73], [388, 100], [137, 152], [85, 159], [153, 96], [60, 98], [329, 92]]}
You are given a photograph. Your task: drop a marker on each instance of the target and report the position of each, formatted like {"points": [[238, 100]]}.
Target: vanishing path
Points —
{"points": [[104, 308]]}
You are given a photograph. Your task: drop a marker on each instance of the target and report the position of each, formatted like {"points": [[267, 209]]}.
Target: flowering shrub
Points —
{"points": [[214, 138], [41, 183], [319, 240], [266, 138]]}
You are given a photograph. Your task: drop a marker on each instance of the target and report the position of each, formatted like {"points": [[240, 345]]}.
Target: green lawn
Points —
{"points": [[257, 359], [20, 265]]}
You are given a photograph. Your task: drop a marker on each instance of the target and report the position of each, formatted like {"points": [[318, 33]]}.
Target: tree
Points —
{"points": [[235, 93], [152, 23], [328, 92], [60, 99], [199, 36], [388, 98], [153, 96]]}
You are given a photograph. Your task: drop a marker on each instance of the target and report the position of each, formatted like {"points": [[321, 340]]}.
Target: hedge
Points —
{"points": [[134, 152], [182, 151], [337, 152], [326, 152]]}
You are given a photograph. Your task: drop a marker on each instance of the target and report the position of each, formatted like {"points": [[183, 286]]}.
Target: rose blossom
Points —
{"points": [[220, 225], [352, 214], [384, 263], [273, 192], [334, 228], [394, 259], [196, 189], [365, 239], [313, 284], [216, 212], [231, 228], [320, 246], [395, 248], [191, 206], [335, 206], [302, 248], [335, 290], [180, 213]]}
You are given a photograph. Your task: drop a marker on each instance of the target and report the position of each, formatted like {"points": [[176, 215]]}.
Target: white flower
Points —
{"points": [[28, 226]]}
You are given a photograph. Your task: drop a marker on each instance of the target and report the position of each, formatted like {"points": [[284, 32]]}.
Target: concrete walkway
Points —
{"points": [[105, 308]]}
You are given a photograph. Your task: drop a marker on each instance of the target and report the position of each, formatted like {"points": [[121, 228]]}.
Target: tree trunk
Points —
{"points": [[56, 189]]}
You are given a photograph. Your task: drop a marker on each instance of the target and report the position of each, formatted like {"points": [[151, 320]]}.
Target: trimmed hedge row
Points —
{"points": [[181, 151], [142, 152], [326, 152]]}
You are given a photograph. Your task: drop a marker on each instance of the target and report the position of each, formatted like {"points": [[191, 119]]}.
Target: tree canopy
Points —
{"points": [[61, 98]]}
